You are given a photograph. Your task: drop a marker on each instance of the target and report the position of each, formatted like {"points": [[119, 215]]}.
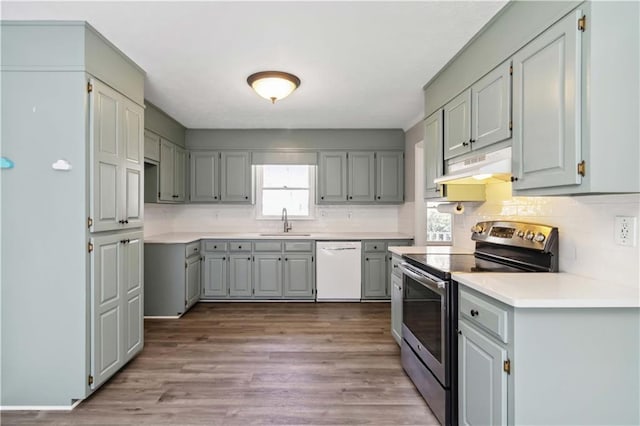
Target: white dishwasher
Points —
{"points": [[338, 270]]}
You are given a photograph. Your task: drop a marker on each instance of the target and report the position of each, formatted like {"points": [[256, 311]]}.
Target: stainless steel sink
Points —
{"points": [[285, 234]]}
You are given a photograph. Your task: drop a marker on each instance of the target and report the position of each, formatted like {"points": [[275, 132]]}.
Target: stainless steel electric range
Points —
{"points": [[430, 305]]}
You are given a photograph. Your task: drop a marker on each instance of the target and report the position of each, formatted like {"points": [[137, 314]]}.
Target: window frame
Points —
{"points": [[434, 205], [259, 177]]}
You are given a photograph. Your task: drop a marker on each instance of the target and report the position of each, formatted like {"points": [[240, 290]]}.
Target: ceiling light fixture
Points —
{"points": [[273, 85]]}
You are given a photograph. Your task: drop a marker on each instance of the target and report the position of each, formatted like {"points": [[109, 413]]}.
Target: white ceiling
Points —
{"points": [[362, 64]]}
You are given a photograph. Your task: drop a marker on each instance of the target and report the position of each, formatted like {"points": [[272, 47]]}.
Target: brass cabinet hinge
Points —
{"points": [[510, 124], [506, 366], [582, 23], [89, 222], [510, 69], [89, 87], [186, 265], [582, 168], [186, 303], [90, 380], [90, 247]]}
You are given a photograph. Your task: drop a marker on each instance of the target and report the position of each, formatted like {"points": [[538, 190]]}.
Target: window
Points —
{"points": [[284, 186], [439, 225]]}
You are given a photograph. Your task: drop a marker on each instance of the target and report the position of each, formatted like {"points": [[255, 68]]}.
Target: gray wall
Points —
{"points": [[412, 136], [515, 25], [295, 139], [161, 123]]}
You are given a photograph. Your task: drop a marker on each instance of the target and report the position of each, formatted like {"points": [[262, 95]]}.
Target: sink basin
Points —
{"points": [[285, 234]]}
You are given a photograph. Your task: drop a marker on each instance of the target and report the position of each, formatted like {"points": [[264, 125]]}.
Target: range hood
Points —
{"points": [[491, 167]]}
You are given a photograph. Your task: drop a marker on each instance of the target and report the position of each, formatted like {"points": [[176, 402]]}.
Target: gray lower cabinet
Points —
{"points": [[172, 275], [215, 281], [298, 275], [541, 365], [375, 276], [396, 299], [240, 275], [116, 303], [267, 275]]}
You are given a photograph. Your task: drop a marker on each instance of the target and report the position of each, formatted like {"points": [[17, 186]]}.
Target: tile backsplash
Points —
{"points": [[586, 230], [161, 218]]}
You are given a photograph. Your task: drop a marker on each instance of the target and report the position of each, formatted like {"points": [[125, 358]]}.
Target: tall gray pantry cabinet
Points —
{"points": [[72, 212]]}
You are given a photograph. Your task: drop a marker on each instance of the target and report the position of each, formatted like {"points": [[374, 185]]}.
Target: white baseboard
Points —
{"points": [[40, 407]]}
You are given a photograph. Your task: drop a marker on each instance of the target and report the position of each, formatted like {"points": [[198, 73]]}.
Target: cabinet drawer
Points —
{"points": [[239, 246], [215, 246], [484, 314], [192, 249], [267, 246], [395, 266], [375, 246], [298, 246]]}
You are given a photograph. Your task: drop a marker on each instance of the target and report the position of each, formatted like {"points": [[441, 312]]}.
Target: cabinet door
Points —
{"points": [[151, 146], [457, 125], [361, 176], [546, 108], [433, 155], [179, 188], [105, 115], [298, 275], [482, 382], [491, 107], [107, 315], [240, 283], [396, 308], [235, 178], [214, 280], [167, 170], [205, 169], [133, 134], [267, 275], [390, 177], [375, 276], [332, 177], [133, 287], [192, 281]]}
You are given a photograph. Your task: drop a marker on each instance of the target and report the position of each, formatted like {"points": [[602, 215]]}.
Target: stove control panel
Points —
{"points": [[520, 234]]}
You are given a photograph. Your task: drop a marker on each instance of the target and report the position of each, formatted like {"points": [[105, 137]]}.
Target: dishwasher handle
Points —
{"points": [[338, 248]]}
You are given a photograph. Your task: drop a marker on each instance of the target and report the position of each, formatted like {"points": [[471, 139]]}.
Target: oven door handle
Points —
{"points": [[423, 278]]}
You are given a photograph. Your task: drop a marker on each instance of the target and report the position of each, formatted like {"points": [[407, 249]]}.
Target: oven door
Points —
{"points": [[424, 314]]}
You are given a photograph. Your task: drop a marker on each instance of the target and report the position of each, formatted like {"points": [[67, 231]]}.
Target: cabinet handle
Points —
{"points": [[322, 198], [246, 197], [474, 313], [379, 197], [224, 258], [513, 178], [126, 221], [286, 259], [215, 197], [279, 259], [375, 247], [460, 332], [350, 197], [249, 258], [240, 247], [471, 141], [465, 143], [367, 259], [195, 249]]}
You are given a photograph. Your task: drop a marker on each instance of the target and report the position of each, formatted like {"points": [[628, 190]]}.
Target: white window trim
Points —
{"points": [[312, 197]]}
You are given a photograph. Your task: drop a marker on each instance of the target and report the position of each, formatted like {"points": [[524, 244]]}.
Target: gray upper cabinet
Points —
{"points": [[220, 177], [457, 125], [116, 152], [151, 146], [205, 180], [172, 172], [332, 177], [235, 180], [361, 173], [547, 108], [433, 155], [479, 116], [390, 176], [491, 107]]}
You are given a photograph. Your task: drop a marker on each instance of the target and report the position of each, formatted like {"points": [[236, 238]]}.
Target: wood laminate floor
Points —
{"points": [[258, 363]]}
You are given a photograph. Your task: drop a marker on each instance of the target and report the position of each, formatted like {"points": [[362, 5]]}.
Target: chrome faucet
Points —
{"points": [[286, 224]]}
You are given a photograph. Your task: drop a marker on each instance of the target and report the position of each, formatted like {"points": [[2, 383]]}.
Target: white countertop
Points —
{"points": [[187, 237], [400, 250], [551, 290]]}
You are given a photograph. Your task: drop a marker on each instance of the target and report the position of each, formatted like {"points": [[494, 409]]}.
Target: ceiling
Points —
{"points": [[362, 64]]}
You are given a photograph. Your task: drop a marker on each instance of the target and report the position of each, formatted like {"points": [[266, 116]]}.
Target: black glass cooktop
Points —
{"points": [[442, 265]]}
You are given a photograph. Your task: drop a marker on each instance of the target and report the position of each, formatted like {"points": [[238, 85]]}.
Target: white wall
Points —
{"points": [[161, 218], [586, 229]]}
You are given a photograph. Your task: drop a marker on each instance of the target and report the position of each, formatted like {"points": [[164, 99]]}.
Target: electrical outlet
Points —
{"points": [[625, 230]]}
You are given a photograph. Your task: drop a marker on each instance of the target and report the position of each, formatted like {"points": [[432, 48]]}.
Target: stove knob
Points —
{"points": [[521, 234], [539, 237], [477, 229], [529, 236]]}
